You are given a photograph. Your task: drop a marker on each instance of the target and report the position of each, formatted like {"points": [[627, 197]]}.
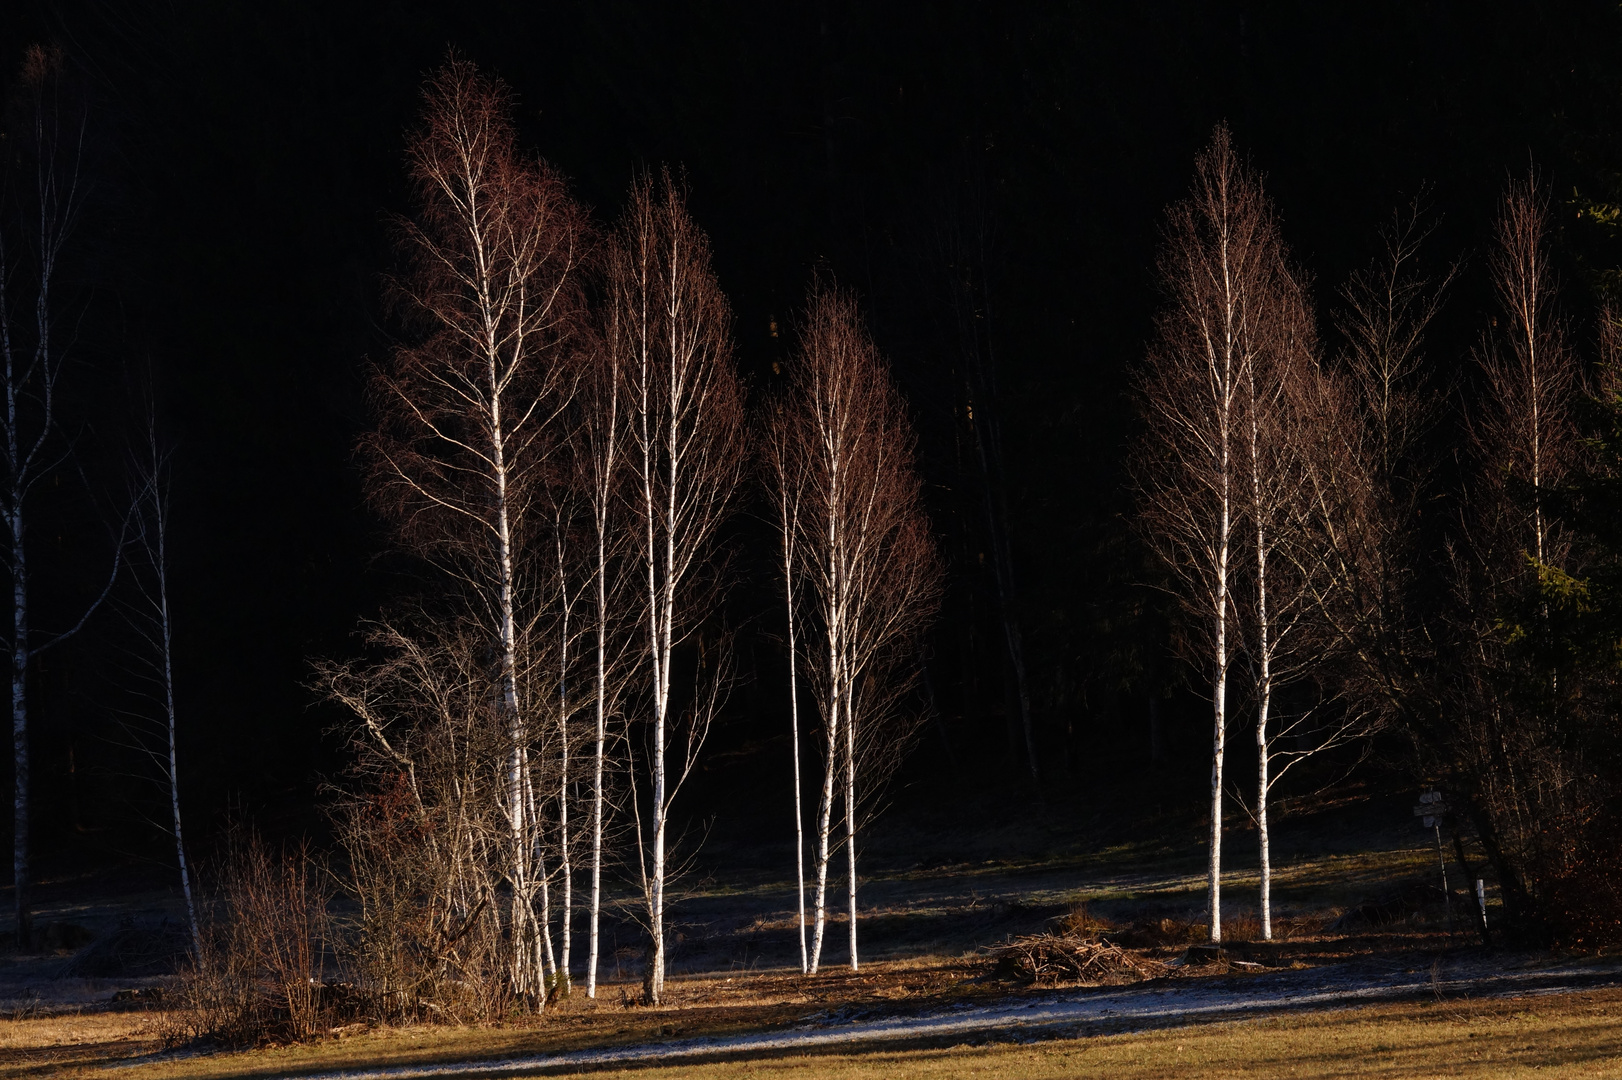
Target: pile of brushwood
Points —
{"points": [[1071, 956]]}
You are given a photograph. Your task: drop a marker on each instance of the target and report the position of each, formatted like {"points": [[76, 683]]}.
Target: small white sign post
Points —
{"points": [[1431, 808]]}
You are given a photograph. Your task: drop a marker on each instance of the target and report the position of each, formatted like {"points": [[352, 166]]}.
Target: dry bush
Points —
{"points": [[1244, 926], [1579, 880], [267, 942], [1079, 921], [1149, 932], [423, 830]]}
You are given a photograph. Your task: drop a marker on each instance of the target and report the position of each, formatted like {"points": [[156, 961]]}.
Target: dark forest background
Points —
{"points": [[990, 179]]}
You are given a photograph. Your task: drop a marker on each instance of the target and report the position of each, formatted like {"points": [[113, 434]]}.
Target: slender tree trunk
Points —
{"points": [[522, 915], [1219, 703], [19, 636], [598, 750], [824, 814], [1260, 501], [836, 681], [789, 525], [850, 819], [565, 859], [549, 958], [1263, 835], [567, 870], [19, 729], [603, 463], [160, 523], [1264, 701], [661, 610]]}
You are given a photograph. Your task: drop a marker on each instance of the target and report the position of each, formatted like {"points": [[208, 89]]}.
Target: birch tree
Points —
{"points": [[1527, 426], [1219, 266], [684, 456], [601, 475], [1276, 507], [869, 565], [784, 474], [40, 203], [1294, 409], [1362, 450], [1520, 699], [148, 614], [564, 631], [468, 412]]}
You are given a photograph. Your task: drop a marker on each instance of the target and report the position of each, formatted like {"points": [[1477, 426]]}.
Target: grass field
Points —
{"points": [[1572, 1035], [1576, 1034]]}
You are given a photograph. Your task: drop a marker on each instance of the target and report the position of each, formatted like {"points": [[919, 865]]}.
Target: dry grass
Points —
{"points": [[83, 1044], [1568, 1035], [74, 1043]]}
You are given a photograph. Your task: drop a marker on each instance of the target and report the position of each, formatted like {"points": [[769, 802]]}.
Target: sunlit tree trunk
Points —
{"points": [[1219, 703], [787, 487], [825, 805], [602, 433], [565, 793], [850, 825]]}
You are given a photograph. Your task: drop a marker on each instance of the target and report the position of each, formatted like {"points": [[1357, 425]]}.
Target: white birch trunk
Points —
{"points": [[19, 724], [1219, 699], [1262, 782], [161, 563], [53, 205], [688, 414], [603, 483], [20, 476], [600, 737], [565, 865], [833, 628], [1264, 699], [1260, 500], [597, 805], [850, 818], [824, 815], [548, 957], [525, 978], [664, 644], [794, 733], [789, 492], [661, 610]]}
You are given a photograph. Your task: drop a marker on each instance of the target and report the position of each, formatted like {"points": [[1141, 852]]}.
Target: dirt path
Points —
{"points": [[1162, 1003]]}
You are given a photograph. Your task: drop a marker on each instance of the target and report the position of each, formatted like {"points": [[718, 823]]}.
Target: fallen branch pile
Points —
{"points": [[1052, 958]]}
